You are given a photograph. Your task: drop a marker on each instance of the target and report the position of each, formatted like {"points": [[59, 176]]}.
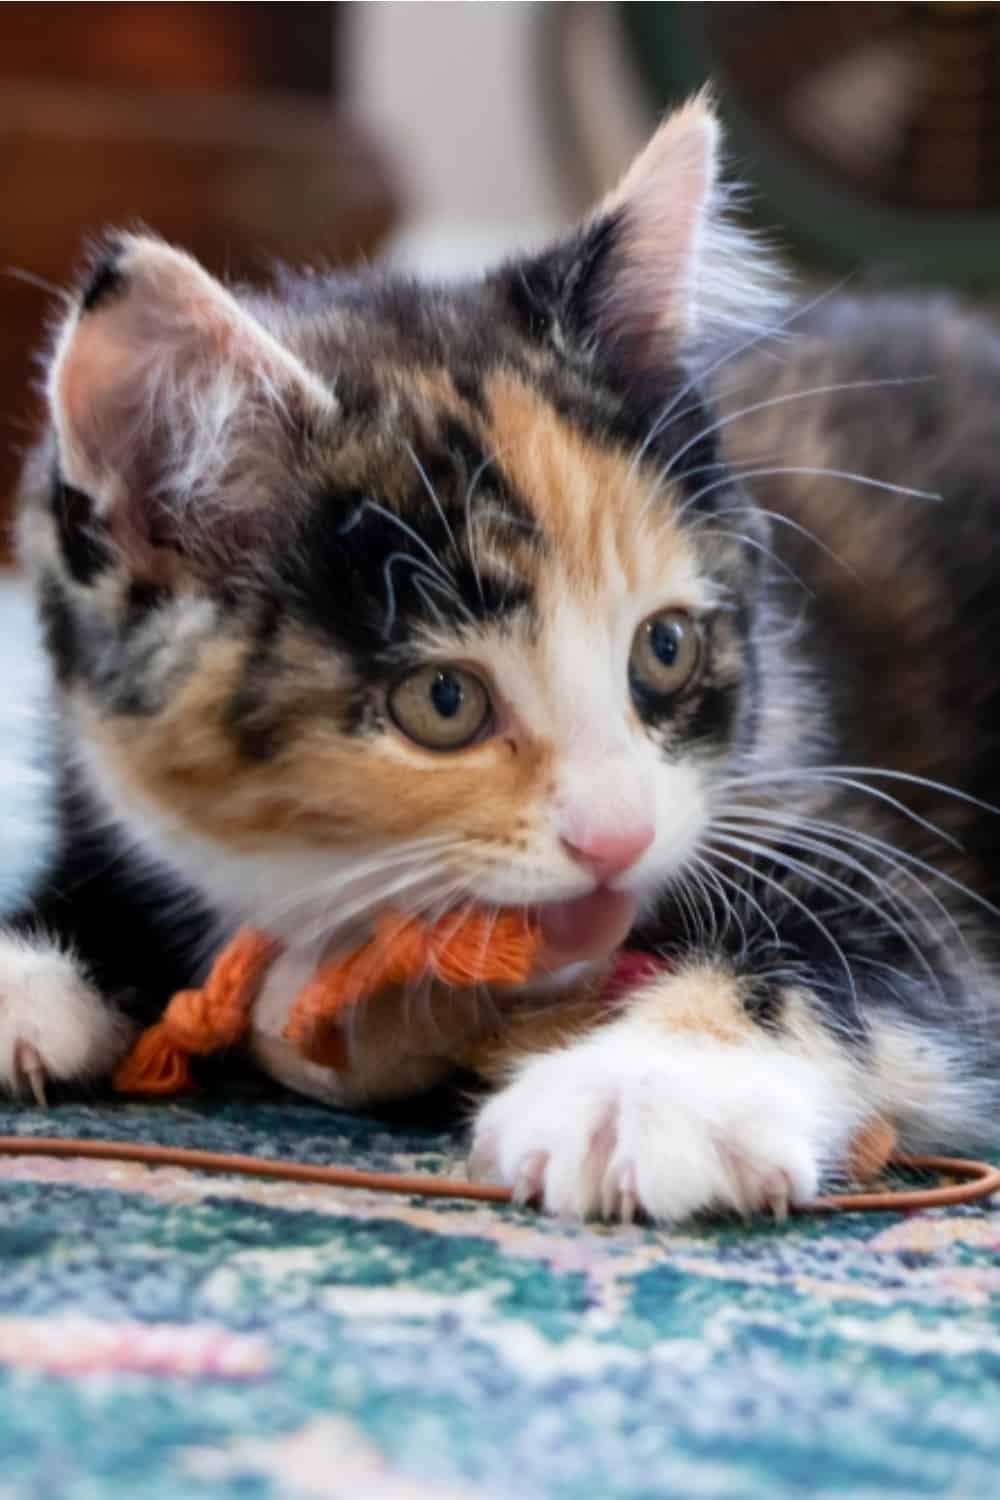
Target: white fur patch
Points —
{"points": [[634, 1118], [27, 831], [46, 1003]]}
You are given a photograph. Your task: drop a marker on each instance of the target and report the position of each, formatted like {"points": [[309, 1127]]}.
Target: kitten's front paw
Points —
{"points": [[632, 1120], [53, 1023]]}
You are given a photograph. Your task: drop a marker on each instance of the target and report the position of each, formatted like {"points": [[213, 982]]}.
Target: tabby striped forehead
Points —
{"points": [[461, 516]]}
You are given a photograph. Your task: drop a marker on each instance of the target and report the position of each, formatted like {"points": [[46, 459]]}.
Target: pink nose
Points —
{"points": [[607, 853]]}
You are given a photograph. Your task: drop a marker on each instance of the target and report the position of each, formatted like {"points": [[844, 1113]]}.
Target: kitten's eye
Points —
{"points": [[666, 653], [441, 708]]}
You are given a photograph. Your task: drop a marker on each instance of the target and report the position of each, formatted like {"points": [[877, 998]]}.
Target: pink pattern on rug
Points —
{"points": [[79, 1346]]}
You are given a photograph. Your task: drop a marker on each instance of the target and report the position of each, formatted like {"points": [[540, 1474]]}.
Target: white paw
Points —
{"points": [[53, 1023], [631, 1119]]}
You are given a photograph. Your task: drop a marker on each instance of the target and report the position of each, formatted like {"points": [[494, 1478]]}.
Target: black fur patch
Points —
{"points": [[58, 628], [366, 571], [582, 289], [140, 601], [258, 734], [141, 937], [105, 280], [763, 1002], [85, 550], [530, 289]]}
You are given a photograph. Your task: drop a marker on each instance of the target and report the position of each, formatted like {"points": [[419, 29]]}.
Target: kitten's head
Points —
{"points": [[369, 592]]}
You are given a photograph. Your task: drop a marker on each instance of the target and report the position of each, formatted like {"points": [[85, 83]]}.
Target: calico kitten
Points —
{"points": [[560, 588]]}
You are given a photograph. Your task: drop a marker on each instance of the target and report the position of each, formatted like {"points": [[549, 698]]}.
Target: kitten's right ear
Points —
{"points": [[159, 379]]}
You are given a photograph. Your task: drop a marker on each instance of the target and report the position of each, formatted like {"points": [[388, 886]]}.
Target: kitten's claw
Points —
{"points": [[30, 1071], [530, 1179], [628, 1195], [776, 1196]]}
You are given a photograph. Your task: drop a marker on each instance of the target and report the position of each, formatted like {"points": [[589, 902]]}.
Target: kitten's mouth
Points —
{"points": [[585, 927]]}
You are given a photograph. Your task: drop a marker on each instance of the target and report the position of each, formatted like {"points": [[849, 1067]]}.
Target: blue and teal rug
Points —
{"points": [[171, 1336]]}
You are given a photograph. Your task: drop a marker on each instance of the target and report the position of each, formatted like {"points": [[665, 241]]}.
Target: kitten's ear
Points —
{"points": [[672, 273], [159, 378]]}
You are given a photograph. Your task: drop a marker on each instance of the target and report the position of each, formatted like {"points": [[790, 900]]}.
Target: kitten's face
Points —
{"points": [[380, 595]]}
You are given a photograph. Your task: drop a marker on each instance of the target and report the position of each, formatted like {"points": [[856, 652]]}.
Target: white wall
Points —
{"points": [[454, 88]]}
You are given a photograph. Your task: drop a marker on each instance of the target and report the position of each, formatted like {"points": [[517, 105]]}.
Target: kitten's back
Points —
{"points": [[871, 436]]}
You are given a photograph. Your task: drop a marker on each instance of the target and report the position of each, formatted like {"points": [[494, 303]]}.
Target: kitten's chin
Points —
{"points": [[586, 927]]}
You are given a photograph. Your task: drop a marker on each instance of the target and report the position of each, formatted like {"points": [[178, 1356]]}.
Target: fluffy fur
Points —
{"points": [[254, 514]]}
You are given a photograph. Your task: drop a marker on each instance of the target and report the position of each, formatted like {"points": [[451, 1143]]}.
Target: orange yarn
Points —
{"points": [[475, 947], [472, 949], [197, 1022]]}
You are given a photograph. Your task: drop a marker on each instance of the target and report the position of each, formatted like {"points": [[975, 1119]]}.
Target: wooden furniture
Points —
{"points": [[214, 125]]}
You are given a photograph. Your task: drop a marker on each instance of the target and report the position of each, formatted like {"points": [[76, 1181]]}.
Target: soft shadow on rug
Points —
{"points": [[182, 1337]]}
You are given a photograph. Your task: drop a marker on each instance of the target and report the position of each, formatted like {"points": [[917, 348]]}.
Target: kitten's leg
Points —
{"points": [[708, 1091], [53, 1023]]}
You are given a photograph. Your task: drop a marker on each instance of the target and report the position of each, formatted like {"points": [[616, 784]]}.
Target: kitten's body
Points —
{"points": [[513, 477]]}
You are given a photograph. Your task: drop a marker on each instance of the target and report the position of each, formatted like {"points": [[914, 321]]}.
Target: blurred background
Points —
{"points": [[443, 134]]}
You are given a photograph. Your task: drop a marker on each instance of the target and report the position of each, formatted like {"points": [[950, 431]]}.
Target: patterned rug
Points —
{"points": [[175, 1336]]}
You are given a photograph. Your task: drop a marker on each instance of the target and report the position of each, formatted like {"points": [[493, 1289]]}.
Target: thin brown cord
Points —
{"points": [[979, 1178]]}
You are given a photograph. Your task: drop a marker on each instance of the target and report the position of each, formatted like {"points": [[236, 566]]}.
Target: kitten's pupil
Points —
{"points": [[664, 638], [447, 694]]}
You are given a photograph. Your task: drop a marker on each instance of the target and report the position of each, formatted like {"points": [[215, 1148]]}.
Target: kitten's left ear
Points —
{"points": [[672, 274]]}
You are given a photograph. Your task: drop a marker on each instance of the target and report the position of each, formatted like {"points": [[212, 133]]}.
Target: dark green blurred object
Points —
{"points": [[871, 132]]}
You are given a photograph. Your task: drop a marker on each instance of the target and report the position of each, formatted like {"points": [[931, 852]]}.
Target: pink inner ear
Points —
{"points": [[664, 201], [94, 387], [160, 373]]}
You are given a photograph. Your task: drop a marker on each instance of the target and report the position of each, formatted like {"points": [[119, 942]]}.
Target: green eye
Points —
{"points": [[441, 708], [666, 653]]}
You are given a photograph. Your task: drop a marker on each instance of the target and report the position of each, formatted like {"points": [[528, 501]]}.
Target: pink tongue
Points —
{"points": [[586, 927]]}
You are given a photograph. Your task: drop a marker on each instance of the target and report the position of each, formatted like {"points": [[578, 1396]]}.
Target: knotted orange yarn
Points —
{"points": [[459, 949], [197, 1022], [475, 948]]}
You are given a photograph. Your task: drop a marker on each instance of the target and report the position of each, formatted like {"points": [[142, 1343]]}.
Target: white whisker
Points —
{"points": [[811, 391], [878, 847], [748, 541], [407, 529], [432, 493], [727, 357], [822, 880], [793, 900], [469, 529], [830, 775]]}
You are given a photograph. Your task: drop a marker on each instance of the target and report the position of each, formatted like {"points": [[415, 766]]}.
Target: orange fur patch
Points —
{"points": [[701, 999], [587, 498], [323, 788]]}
